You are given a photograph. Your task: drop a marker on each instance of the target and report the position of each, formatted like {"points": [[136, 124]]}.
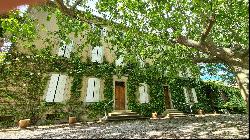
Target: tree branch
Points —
{"points": [[183, 40], [76, 3], [208, 29], [208, 60], [206, 47]]}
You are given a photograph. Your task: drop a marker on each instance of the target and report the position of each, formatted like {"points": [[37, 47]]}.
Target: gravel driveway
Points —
{"points": [[206, 127]]}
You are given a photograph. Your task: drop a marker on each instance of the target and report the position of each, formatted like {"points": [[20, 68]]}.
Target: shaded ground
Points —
{"points": [[208, 127]]}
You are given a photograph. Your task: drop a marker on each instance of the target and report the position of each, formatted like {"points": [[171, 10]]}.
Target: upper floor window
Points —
{"points": [[119, 61], [5, 46], [185, 73], [65, 49], [103, 31], [97, 54], [56, 90], [93, 90], [141, 62]]}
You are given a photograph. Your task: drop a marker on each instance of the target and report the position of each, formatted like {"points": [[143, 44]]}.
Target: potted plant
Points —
{"points": [[23, 123], [72, 120], [199, 107], [72, 114]]}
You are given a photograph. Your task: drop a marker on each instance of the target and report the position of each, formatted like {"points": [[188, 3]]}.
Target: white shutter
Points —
{"points": [[186, 94], [103, 31], [194, 95], [94, 55], [68, 49], [93, 90], [61, 50], [143, 91], [89, 96], [142, 64], [99, 54], [92, 26], [146, 93], [52, 88], [60, 90], [97, 90], [119, 61]]}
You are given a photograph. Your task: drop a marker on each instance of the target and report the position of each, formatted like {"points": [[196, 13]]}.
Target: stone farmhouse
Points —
{"points": [[58, 87]]}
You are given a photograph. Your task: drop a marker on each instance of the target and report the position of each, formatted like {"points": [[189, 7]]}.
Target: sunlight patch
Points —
{"points": [[231, 130], [154, 133]]}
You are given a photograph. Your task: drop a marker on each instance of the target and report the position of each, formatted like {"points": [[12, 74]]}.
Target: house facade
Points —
{"points": [[58, 88]]}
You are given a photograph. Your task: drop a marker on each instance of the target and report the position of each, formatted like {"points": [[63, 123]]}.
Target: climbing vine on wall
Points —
{"points": [[24, 78]]}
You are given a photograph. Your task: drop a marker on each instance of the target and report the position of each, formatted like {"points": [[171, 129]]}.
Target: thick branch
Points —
{"points": [[183, 40], [85, 17], [208, 29], [208, 60]]}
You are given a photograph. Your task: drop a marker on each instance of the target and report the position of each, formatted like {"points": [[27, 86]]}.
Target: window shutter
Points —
{"points": [[97, 90], [103, 31], [119, 61], [94, 55], [186, 94], [89, 90], [60, 91], [52, 88], [142, 64], [194, 95], [143, 91], [146, 93], [100, 54], [93, 90], [68, 49], [61, 50]]}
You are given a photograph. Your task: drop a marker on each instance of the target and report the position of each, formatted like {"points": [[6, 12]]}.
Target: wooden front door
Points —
{"points": [[119, 95], [167, 97]]}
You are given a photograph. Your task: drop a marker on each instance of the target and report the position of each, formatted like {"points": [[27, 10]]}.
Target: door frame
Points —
{"points": [[169, 94], [121, 79]]}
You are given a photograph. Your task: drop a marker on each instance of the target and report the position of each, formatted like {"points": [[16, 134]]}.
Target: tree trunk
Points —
{"points": [[242, 78]]}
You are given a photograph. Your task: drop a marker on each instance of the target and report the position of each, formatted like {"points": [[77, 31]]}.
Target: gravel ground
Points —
{"points": [[207, 127]]}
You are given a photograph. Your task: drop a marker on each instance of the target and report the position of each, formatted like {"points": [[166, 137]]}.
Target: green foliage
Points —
{"points": [[24, 71], [18, 27], [29, 74]]}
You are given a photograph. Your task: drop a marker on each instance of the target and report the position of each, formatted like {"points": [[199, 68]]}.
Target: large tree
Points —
{"points": [[215, 30], [172, 32]]}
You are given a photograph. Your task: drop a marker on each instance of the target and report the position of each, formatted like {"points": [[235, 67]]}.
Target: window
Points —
{"points": [[103, 31], [143, 91], [186, 73], [97, 54], [190, 95], [93, 90], [119, 61], [5, 46], [65, 49], [141, 62], [56, 88]]}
